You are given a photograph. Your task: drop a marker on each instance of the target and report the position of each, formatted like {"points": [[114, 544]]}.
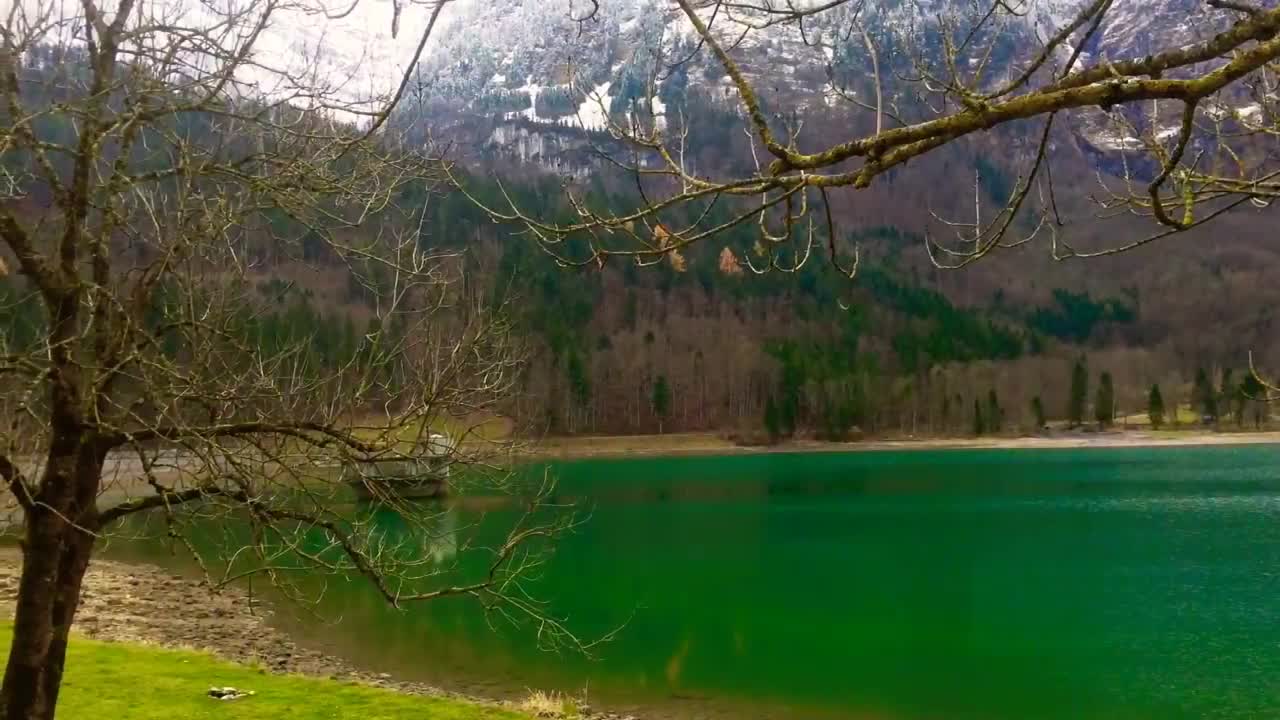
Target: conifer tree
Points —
{"points": [[994, 415], [1037, 411], [1204, 398], [1104, 405], [1079, 393], [661, 400], [1155, 407]]}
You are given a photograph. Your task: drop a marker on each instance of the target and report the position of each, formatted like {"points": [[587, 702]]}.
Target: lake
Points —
{"points": [[993, 584]]}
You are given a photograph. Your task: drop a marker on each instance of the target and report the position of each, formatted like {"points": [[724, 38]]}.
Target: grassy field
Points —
{"points": [[614, 445], [1186, 419], [116, 680]]}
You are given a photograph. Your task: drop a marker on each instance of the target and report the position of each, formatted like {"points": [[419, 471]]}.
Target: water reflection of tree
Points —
{"points": [[156, 199], [432, 536]]}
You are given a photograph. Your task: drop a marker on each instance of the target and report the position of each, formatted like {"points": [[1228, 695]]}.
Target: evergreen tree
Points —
{"points": [[994, 415], [661, 400], [1155, 407], [347, 340], [789, 390], [1037, 411], [1238, 400], [579, 382], [1231, 397], [1079, 393], [324, 342], [979, 427], [1252, 389], [1203, 398], [1226, 390], [1104, 404], [772, 420]]}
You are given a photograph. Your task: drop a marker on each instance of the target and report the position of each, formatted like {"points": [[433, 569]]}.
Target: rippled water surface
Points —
{"points": [[1109, 583]]}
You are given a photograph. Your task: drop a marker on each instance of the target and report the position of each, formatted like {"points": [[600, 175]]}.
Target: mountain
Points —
{"points": [[903, 347], [532, 71], [523, 88]]}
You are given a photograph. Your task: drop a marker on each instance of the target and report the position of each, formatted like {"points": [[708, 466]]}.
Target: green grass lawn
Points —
{"points": [[109, 681]]}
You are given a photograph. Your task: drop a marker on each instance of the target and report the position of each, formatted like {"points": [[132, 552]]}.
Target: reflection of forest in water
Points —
{"points": [[432, 533], [422, 537], [839, 585]]}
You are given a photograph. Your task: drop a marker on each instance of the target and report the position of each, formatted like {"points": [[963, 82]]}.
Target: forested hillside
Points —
{"points": [[701, 341]]}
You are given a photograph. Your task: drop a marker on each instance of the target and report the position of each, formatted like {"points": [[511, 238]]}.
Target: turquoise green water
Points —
{"points": [[1116, 583]]}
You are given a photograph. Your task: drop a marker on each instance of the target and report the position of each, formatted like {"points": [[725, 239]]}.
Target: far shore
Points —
{"points": [[576, 447], [124, 481]]}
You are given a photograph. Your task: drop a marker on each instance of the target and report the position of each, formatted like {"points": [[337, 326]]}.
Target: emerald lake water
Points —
{"points": [[993, 584]]}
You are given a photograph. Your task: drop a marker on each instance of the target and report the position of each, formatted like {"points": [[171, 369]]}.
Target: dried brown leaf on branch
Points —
{"points": [[166, 160], [1193, 117]]}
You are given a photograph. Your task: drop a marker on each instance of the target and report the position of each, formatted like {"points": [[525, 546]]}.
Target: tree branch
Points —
{"points": [[30, 260], [16, 482], [166, 499], [1063, 97], [1243, 7], [329, 436]]}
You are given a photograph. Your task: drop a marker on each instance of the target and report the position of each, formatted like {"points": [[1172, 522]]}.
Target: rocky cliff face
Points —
{"points": [[525, 77]]}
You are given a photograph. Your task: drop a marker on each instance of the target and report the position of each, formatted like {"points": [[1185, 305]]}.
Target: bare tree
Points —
{"points": [[1194, 121], [160, 163]]}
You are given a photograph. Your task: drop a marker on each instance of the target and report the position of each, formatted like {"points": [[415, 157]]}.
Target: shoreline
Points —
{"points": [[144, 604], [586, 447], [138, 603]]}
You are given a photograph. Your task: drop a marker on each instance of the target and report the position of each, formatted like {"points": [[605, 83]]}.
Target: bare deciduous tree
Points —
{"points": [[158, 163], [153, 155], [1196, 121]]}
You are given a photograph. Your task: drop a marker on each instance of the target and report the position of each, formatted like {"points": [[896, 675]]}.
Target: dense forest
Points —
{"points": [[700, 341]]}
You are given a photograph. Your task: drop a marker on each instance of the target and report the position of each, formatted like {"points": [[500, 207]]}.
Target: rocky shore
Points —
{"points": [[147, 605]]}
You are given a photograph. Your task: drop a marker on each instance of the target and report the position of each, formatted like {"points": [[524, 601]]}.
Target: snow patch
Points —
{"points": [[832, 97], [593, 113], [1115, 141], [530, 113], [659, 113]]}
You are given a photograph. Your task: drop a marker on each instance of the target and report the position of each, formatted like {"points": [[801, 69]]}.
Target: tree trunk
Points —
{"points": [[48, 595], [55, 556], [74, 563], [23, 692]]}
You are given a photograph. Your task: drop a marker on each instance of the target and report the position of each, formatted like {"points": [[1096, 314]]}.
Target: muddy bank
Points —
{"points": [[145, 604]]}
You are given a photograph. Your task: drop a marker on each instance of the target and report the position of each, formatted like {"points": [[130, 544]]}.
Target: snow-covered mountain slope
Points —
{"points": [[529, 68]]}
